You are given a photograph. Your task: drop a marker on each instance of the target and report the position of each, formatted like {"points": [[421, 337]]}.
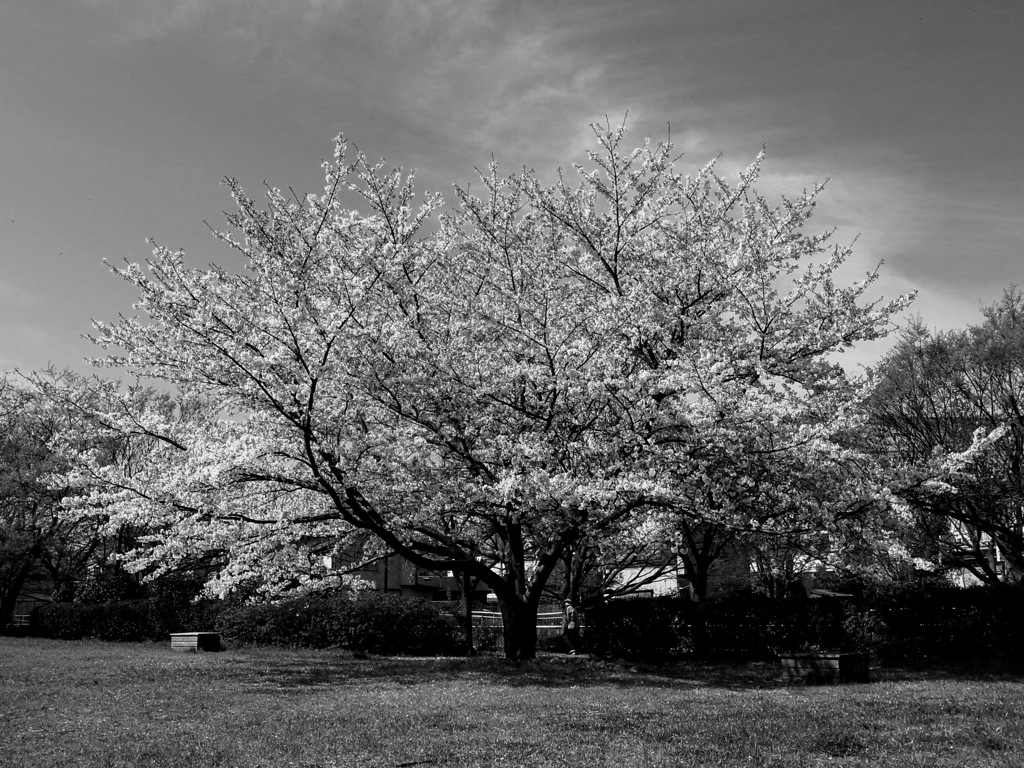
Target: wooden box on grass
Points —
{"points": [[824, 667], [190, 642]]}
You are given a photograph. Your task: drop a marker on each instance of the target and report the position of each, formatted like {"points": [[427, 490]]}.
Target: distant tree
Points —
{"points": [[948, 393], [36, 537], [485, 389]]}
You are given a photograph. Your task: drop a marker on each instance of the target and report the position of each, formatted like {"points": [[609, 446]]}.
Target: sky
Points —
{"points": [[119, 120]]}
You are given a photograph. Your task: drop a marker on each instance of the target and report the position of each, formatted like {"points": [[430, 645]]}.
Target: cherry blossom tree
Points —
{"points": [[485, 385]]}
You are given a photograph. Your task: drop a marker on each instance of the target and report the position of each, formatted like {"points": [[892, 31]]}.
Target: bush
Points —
{"points": [[756, 626], [640, 628], [940, 623], [929, 622], [552, 642], [114, 586], [119, 621], [741, 626], [387, 624], [167, 616], [488, 639], [370, 623]]}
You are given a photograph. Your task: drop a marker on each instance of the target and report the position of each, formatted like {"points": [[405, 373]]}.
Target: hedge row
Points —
{"points": [[916, 624], [371, 623], [119, 620]]}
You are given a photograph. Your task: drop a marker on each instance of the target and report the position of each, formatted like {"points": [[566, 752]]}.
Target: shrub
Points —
{"points": [[940, 623], [113, 586], [120, 620], [380, 623], [744, 626], [488, 639], [759, 626], [370, 623], [640, 628], [929, 622], [111, 605], [167, 616]]}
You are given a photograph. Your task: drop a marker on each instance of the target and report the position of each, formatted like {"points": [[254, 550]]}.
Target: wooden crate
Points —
{"points": [[825, 667], [190, 642]]}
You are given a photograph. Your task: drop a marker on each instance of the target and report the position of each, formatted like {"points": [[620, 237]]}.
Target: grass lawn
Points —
{"points": [[96, 704]]}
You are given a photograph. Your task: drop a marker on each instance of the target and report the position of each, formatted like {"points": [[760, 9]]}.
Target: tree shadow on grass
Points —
{"points": [[284, 670], [291, 670], [988, 671]]}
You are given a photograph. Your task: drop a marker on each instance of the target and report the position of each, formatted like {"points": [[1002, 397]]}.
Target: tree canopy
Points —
{"points": [[482, 385]]}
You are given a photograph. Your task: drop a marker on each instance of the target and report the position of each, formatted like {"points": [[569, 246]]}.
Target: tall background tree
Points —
{"points": [[488, 386], [942, 392], [36, 538]]}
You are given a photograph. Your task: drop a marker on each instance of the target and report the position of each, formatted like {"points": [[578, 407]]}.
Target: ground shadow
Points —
{"points": [[293, 671], [284, 670], [986, 671]]}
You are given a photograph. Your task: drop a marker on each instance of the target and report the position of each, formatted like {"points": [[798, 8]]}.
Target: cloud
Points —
{"points": [[522, 80], [243, 20], [148, 19], [443, 84], [436, 66]]}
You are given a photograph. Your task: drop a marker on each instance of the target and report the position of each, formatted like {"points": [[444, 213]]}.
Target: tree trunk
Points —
{"points": [[697, 571], [519, 628]]}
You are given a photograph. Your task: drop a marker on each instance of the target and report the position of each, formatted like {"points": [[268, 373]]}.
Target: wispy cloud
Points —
{"points": [[248, 19], [438, 66], [519, 79], [147, 19], [908, 115]]}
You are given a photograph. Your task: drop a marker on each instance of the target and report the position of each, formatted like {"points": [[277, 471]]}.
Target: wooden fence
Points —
{"points": [[548, 621]]}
